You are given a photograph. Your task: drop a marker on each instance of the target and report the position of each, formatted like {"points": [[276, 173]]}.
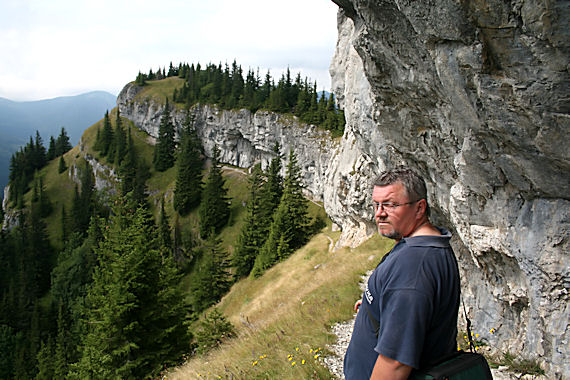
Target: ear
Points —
{"points": [[421, 208]]}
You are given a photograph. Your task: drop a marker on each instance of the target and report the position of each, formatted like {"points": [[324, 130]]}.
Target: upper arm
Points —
{"points": [[389, 369], [403, 328]]}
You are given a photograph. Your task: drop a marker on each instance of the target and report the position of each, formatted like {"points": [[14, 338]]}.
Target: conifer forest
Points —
{"points": [[118, 294]]}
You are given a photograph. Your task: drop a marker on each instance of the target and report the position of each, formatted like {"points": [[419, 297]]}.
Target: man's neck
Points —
{"points": [[424, 228]]}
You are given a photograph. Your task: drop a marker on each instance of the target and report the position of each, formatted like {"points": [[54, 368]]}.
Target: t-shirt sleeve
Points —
{"points": [[406, 313]]}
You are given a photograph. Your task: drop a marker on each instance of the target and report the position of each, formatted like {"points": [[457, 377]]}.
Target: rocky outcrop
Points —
{"points": [[244, 138], [473, 95], [11, 215]]}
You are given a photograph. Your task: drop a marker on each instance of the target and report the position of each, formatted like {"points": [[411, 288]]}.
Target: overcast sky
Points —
{"points": [[53, 48]]}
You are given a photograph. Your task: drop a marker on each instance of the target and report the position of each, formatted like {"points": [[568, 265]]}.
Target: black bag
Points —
{"points": [[458, 366]]}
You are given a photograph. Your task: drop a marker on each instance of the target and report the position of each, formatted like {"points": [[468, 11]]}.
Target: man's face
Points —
{"points": [[397, 222]]}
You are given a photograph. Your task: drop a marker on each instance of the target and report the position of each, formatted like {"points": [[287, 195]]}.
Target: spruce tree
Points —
{"points": [[290, 222], [272, 189], [83, 204], [164, 232], [213, 278], [51, 149], [45, 360], [128, 168], [106, 143], [39, 156], [61, 166], [62, 144], [135, 319], [252, 235], [64, 346], [120, 141], [189, 169], [165, 145], [214, 209]]}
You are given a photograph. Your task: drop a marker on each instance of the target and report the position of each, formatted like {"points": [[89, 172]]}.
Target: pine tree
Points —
{"points": [[39, 156], [45, 361], [83, 204], [74, 270], [37, 256], [165, 145], [136, 315], [189, 169], [51, 149], [61, 166], [164, 230], [214, 209], [271, 190], [252, 235], [62, 144], [290, 222], [106, 143], [212, 279], [128, 168], [44, 204], [120, 141], [64, 347]]}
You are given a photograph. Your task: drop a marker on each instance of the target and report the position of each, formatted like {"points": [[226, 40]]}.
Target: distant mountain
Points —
{"points": [[20, 120]]}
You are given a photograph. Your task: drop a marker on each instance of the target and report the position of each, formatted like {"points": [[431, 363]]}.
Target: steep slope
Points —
{"points": [[283, 318]]}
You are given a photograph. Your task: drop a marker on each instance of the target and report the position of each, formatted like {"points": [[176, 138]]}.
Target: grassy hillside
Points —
{"points": [[283, 318]]}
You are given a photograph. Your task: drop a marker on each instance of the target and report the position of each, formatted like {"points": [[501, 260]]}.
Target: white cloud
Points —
{"points": [[64, 47]]}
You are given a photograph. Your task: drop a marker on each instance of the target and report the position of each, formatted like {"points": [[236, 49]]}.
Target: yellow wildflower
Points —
{"points": [[303, 362], [292, 364]]}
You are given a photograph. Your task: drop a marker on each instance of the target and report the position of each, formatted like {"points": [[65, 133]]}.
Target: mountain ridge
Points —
{"points": [[21, 119]]}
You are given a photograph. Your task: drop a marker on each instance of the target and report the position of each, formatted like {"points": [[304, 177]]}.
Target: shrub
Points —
{"points": [[212, 331]]}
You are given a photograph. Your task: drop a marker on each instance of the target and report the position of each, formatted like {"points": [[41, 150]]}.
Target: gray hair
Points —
{"points": [[414, 184]]}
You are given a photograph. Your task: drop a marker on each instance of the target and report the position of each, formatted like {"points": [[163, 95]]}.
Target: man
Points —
{"points": [[408, 312]]}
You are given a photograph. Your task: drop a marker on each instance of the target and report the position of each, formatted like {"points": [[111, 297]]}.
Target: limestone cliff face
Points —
{"points": [[242, 137], [473, 95]]}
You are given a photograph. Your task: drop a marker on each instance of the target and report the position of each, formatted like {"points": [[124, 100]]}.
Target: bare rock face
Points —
{"points": [[243, 138], [474, 96]]}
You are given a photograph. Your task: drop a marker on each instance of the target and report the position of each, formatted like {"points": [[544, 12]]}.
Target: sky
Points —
{"points": [[52, 48]]}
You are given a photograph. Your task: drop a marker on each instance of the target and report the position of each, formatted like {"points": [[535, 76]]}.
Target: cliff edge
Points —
{"points": [[474, 96]]}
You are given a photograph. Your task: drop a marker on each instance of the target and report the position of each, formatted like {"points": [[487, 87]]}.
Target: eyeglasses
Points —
{"points": [[391, 206]]}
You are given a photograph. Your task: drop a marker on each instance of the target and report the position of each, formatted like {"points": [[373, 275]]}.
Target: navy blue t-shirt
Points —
{"points": [[414, 294]]}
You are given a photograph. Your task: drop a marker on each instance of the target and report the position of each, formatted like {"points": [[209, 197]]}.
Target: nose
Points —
{"points": [[380, 211]]}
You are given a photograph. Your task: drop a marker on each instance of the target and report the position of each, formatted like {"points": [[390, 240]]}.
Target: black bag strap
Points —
{"points": [[471, 344], [373, 320]]}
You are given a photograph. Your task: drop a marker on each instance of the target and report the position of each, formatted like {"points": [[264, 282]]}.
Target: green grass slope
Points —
{"points": [[283, 318]]}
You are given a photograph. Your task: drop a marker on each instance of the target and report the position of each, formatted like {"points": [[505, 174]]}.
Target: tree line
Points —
{"points": [[227, 88], [109, 303], [32, 157]]}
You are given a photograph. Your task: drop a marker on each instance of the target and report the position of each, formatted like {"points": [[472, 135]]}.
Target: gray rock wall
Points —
{"points": [[242, 137], [473, 95]]}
